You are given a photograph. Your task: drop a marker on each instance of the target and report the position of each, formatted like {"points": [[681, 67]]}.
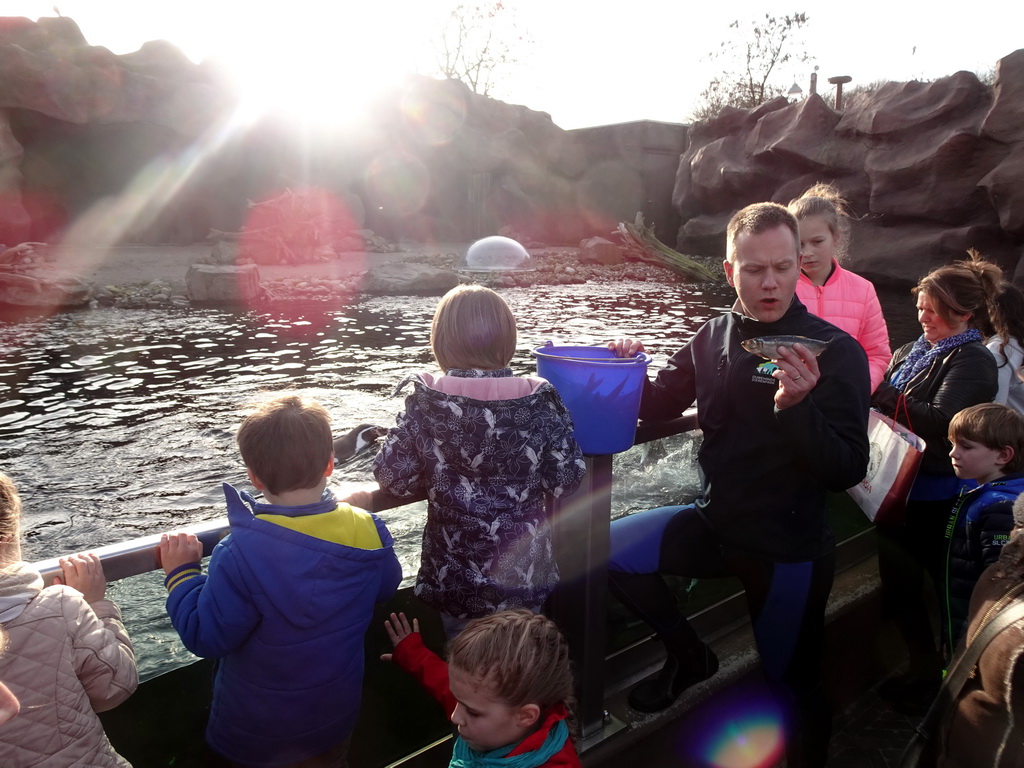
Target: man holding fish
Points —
{"points": [[782, 427]]}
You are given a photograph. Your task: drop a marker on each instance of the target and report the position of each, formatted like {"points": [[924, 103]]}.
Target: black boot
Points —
{"points": [[679, 673]]}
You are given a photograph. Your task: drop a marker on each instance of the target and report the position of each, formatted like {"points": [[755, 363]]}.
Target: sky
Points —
{"points": [[585, 63]]}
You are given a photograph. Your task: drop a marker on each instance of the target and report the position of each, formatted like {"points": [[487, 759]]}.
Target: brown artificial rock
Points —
{"points": [[599, 250], [1005, 120], [904, 253], [1004, 186], [722, 176], [937, 181], [930, 170], [896, 109], [14, 219], [801, 134], [704, 235]]}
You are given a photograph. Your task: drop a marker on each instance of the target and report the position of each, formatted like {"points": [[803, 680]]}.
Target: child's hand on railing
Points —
{"points": [[177, 549], [398, 629], [83, 572]]}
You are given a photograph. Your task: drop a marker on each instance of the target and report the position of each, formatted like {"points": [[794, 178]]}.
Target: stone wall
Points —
{"points": [[632, 168]]}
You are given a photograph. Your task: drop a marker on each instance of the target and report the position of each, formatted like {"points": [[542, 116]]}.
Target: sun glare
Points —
{"points": [[321, 67], [319, 62], [318, 86]]}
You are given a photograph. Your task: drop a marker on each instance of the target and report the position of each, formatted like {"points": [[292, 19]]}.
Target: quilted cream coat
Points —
{"points": [[66, 660]]}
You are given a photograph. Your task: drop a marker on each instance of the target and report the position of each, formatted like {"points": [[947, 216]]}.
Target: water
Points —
{"points": [[117, 424], [120, 423]]}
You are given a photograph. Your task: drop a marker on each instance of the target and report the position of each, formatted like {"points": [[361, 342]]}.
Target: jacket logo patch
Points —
{"points": [[763, 373]]}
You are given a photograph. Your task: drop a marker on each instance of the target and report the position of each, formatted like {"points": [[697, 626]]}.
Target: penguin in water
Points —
{"points": [[357, 439]]}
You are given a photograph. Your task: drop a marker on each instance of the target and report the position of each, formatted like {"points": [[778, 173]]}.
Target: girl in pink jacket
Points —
{"points": [[844, 299]]}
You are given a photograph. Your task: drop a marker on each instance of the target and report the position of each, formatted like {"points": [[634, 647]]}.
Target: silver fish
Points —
{"points": [[768, 346]]}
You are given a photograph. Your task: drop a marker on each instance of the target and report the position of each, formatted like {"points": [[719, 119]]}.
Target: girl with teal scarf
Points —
{"points": [[507, 687]]}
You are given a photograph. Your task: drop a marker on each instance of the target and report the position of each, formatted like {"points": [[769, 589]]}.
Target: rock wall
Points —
{"points": [[144, 148], [931, 169], [84, 130]]}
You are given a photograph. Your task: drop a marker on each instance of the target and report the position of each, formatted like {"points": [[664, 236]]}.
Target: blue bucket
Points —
{"points": [[601, 390]]}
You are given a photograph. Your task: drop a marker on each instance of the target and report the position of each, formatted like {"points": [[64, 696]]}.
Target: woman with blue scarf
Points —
{"points": [[928, 381]]}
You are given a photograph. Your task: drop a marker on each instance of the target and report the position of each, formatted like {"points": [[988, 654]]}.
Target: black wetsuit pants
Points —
{"points": [[786, 603]]}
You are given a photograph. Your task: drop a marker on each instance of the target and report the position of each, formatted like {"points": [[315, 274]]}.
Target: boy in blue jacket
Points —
{"points": [[988, 447], [287, 598]]}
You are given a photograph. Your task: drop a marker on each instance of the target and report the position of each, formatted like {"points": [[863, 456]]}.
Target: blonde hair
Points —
{"points": [[825, 201], [287, 443], [994, 425], [473, 328], [756, 219], [10, 510], [522, 656]]}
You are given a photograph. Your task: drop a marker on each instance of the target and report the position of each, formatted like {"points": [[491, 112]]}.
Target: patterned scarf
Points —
{"points": [[464, 757], [924, 352]]}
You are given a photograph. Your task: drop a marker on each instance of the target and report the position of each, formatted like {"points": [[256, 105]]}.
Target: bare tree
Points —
{"points": [[478, 43], [752, 57], [987, 76]]}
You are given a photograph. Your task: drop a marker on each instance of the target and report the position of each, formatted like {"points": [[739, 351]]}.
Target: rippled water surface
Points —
{"points": [[120, 423], [116, 424]]}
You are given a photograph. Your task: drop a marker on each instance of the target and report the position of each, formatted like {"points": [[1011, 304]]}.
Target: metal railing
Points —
{"points": [[581, 539], [137, 556]]}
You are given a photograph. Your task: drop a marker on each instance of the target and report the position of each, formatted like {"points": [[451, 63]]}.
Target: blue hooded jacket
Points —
{"points": [[285, 612], [978, 527]]}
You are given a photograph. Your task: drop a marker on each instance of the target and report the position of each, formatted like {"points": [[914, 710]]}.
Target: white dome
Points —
{"points": [[496, 253]]}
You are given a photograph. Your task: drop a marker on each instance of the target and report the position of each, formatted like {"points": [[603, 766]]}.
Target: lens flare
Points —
{"points": [[296, 225], [748, 743], [741, 728], [434, 115], [397, 184]]}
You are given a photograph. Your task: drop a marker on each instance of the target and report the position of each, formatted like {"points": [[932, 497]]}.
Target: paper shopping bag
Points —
{"points": [[893, 460]]}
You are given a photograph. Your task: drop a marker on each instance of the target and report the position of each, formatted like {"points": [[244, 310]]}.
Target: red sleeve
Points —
{"points": [[427, 667]]}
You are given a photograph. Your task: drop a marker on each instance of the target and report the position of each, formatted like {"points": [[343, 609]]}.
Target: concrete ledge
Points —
{"points": [[853, 666]]}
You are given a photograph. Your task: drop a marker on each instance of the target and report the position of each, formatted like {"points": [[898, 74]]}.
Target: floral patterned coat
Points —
{"points": [[486, 466]]}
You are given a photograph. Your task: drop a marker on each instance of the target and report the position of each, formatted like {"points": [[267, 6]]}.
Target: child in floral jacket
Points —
{"points": [[487, 447]]}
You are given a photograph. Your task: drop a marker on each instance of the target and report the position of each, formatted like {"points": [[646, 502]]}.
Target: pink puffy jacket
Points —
{"points": [[66, 660], [849, 302]]}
